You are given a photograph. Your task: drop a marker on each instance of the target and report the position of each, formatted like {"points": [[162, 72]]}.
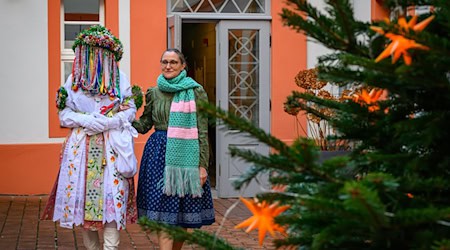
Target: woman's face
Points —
{"points": [[171, 65]]}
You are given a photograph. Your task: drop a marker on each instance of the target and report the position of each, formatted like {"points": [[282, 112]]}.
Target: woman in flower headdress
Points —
{"points": [[95, 188], [173, 186]]}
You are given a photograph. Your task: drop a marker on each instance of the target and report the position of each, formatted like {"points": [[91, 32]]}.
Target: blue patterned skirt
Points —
{"points": [[187, 212]]}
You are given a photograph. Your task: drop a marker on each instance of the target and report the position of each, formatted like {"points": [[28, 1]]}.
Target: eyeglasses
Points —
{"points": [[165, 62]]}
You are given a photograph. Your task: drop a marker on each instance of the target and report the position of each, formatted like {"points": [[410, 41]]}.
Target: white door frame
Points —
{"points": [[227, 167], [174, 31]]}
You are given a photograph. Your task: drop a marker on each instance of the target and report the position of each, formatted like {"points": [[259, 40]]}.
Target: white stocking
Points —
{"points": [[165, 242], [91, 240], [111, 237]]}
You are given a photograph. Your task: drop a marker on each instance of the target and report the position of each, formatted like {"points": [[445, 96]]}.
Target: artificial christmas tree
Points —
{"points": [[392, 191]]}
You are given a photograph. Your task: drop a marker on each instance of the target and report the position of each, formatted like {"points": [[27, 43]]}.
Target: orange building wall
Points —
{"points": [[288, 58], [112, 16], [148, 41], [28, 169], [378, 11]]}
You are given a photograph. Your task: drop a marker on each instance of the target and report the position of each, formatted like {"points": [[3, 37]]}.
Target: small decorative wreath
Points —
{"points": [[137, 96], [61, 97]]}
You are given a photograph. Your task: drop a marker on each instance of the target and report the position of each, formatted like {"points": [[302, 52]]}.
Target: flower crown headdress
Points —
{"points": [[99, 36], [95, 67]]}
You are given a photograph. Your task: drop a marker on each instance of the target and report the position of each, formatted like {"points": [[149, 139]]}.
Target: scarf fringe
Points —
{"points": [[181, 182]]}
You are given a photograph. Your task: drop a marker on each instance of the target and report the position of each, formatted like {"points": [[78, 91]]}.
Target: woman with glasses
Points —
{"points": [[173, 186]]}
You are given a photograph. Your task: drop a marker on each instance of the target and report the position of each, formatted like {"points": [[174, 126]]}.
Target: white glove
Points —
{"points": [[114, 122], [109, 122], [93, 125]]}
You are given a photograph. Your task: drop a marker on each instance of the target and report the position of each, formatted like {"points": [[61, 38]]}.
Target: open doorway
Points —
{"points": [[199, 47], [231, 59]]}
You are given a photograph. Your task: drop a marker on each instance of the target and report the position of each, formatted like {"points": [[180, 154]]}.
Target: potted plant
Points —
{"points": [[317, 117]]}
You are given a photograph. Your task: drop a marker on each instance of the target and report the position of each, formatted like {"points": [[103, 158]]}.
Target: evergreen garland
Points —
{"points": [[61, 97], [137, 96]]}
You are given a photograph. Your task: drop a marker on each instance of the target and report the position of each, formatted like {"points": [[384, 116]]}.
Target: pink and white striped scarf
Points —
{"points": [[181, 174]]}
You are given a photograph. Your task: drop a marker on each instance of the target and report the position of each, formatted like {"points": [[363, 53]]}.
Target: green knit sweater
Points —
{"points": [[156, 114]]}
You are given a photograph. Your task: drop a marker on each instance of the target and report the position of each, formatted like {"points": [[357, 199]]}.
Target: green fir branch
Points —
{"points": [[197, 237], [233, 121], [302, 152], [423, 216]]}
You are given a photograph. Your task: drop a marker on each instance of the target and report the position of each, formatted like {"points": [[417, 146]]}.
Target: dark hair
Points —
{"points": [[178, 52]]}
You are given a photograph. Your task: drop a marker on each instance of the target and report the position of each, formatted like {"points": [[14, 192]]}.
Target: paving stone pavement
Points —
{"points": [[21, 228]]}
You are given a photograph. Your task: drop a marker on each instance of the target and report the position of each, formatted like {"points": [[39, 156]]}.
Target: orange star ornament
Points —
{"points": [[400, 45], [263, 218], [279, 188], [369, 98]]}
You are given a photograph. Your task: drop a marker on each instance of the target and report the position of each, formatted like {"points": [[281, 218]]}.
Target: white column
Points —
{"points": [[124, 36], [313, 48], [363, 10]]}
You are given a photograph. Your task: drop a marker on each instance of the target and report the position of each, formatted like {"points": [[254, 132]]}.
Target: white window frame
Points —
{"points": [[67, 54]]}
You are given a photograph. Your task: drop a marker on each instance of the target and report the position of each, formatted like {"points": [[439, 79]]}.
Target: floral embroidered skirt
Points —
{"points": [[187, 212]]}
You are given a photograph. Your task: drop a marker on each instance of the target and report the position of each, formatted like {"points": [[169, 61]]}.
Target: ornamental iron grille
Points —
{"points": [[243, 74], [218, 6]]}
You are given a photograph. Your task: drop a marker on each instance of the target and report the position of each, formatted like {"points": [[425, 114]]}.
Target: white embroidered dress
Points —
{"points": [[70, 195]]}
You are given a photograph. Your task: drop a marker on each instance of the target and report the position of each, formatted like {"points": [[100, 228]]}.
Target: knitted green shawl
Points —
{"points": [[181, 174]]}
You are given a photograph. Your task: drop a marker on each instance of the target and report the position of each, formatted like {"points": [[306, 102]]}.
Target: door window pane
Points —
{"points": [[243, 76]]}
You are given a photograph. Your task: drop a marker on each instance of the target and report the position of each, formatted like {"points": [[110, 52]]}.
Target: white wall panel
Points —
{"points": [[24, 72], [124, 36], [362, 10], [314, 49]]}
